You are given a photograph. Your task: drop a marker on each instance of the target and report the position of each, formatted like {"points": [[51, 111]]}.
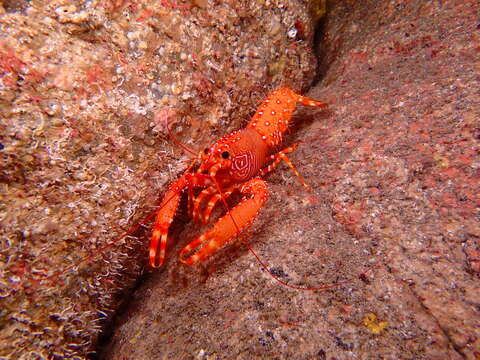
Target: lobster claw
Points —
{"points": [[167, 210], [227, 228], [164, 218]]}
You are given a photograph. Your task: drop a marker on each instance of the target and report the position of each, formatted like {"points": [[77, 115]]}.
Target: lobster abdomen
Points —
{"points": [[273, 116]]}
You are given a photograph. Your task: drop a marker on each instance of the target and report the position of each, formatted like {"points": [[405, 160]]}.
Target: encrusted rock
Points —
{"points": [[82, 160]]}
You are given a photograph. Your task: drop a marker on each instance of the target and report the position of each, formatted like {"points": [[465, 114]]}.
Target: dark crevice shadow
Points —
{"points": [[110, 326], [320, 50]]}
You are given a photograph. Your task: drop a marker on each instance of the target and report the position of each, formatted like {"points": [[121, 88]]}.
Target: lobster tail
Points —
{"points": [[272, 118]]}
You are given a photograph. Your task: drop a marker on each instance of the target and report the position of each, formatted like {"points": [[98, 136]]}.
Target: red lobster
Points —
{"points": [[236, 162]]}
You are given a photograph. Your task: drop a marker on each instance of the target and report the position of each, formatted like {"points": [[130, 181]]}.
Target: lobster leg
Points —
{"points": [[213, 201], [197, 202], [230, 225], [166, 213], [281, 155]]}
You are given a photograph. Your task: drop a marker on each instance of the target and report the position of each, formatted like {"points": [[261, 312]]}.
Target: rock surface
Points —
{"points": [[394, 164], [86, 91]]}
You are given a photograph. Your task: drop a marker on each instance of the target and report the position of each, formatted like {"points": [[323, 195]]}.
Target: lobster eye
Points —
{"points": [[206, 151], [225, 154]]}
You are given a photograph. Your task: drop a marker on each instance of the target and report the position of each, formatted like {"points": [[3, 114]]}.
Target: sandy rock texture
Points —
{"points": [[87, 89], [394, 164]]}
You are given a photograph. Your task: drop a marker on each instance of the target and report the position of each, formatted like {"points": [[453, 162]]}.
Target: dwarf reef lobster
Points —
{"points": [[235, 163]]}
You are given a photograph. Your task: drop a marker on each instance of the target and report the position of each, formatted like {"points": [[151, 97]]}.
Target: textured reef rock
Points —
{"points": [[394, 166], [87, 89]]}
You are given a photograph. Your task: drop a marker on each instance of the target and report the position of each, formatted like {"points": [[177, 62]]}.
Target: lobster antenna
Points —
{"points": [[101, 250], [264, 265], [307, 288], [130, 231]]}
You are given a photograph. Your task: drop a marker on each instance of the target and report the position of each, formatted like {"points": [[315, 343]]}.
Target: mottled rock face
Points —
{"points": [[404, 148], [86, 92], [394, 167]]}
